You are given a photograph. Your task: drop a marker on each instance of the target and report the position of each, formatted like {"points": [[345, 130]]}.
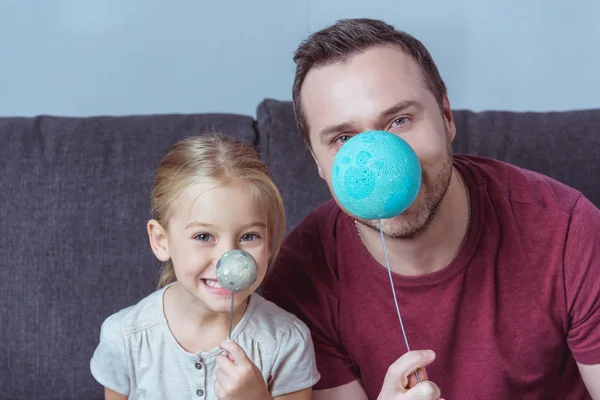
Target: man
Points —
{"points": [[496, 269]]}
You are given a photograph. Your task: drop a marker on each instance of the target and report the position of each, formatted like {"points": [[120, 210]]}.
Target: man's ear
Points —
{"points": [[448, 119], [158, 240], [321, 174]]}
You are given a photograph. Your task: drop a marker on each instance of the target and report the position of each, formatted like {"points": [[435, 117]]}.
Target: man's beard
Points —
{"points": [[413, 223]]}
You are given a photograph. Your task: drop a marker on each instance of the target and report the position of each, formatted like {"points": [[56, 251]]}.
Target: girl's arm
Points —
{"points": [[109, 364], [112, 395], [299, 395]]}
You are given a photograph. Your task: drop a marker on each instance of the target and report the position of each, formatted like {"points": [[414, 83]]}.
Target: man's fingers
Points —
{"points": [[412, 379], [404, 368], [425, 390], [398, 375]]}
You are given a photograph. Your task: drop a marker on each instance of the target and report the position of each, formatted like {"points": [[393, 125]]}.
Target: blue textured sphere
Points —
{"points": [[376, 175]]}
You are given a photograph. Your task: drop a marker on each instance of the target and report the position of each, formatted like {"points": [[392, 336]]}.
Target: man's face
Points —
{"points": [[382, 88]]}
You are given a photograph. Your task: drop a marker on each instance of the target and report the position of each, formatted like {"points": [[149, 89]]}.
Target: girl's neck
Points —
{"points": [[195, 326]]}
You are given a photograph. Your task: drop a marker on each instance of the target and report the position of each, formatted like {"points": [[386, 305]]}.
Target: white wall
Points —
{"points": [[99, 57]]}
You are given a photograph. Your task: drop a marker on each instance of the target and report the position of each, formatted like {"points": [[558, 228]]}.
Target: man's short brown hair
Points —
{"points": [[347, 37]]}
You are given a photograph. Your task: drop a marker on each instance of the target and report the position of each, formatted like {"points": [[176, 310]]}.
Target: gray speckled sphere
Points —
{"points": [[237, 270]]}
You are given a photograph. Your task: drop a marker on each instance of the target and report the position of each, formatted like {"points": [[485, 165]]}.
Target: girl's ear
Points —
{"points": [[158, 240]]}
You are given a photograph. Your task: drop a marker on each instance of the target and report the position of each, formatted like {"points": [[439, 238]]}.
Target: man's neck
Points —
{"points": [[433, 249]]}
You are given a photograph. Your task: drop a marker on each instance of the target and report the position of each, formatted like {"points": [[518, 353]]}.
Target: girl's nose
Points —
{"points": [[223, 247], [227, 245]]}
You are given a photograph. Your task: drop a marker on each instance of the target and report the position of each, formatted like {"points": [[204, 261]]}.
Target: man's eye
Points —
{"points": [[400, 121], [342, 138]]}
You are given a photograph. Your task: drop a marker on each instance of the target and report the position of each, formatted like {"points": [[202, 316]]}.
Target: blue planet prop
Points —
{"points": [[376, 175]]}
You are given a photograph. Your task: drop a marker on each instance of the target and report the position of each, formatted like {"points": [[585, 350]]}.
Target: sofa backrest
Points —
{"points": [[562, 145], [75, 199]]}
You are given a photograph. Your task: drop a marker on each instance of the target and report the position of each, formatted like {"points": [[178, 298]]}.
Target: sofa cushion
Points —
{"points": [[562, 145], [75, 195]]}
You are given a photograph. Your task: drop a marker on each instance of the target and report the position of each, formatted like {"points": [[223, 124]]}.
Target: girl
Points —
{"points": [[212, 194]]}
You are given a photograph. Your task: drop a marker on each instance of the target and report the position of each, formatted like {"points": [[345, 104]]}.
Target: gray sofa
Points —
{"points": [[74, 200]]}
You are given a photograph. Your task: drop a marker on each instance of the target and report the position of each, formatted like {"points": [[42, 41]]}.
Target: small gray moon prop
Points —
{"points": [[237, 270]]}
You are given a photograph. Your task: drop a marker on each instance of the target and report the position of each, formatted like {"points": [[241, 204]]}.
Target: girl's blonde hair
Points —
{"points": [[220, 158]]}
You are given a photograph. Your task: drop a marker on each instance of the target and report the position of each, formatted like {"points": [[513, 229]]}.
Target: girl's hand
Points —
{"points": [[237, 378]]}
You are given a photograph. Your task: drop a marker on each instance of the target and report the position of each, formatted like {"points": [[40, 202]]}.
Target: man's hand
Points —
{"points": [[237, 378], [401, 383]]}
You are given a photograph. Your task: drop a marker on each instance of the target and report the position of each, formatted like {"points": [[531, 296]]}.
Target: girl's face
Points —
{"points": [[206, 221]]}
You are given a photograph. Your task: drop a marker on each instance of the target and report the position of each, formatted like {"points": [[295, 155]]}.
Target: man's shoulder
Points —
{"points": [[307, 259], [315, 230], [133, 319], [320, 218], [518, 185]]}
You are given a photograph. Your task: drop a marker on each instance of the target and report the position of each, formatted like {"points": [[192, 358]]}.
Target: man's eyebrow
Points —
{"points": [[398, 108], [333, 129]]}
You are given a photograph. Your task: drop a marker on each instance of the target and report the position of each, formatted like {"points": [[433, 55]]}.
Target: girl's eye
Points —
{"points": [[400, 121], [203, 237], [248, 237]]}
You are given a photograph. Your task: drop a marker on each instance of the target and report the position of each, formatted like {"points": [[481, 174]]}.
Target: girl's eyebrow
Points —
{"points": [[199, 224], [196, 224]]}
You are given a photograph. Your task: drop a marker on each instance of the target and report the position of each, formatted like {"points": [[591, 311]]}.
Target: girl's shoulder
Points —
{"points": [[133, 319], [271, 321], [121, 332]]}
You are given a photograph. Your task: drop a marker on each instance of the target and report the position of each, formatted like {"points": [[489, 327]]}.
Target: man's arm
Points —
{"points": [[303, 280], [349, 391], [582, 278], [591, 378]]}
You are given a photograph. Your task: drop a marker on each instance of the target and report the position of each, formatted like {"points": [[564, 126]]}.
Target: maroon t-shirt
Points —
{"points": [[508, 318]]}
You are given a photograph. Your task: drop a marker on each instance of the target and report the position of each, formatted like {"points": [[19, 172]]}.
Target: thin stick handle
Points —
{"points": [[387, 263], [231, 314]]}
